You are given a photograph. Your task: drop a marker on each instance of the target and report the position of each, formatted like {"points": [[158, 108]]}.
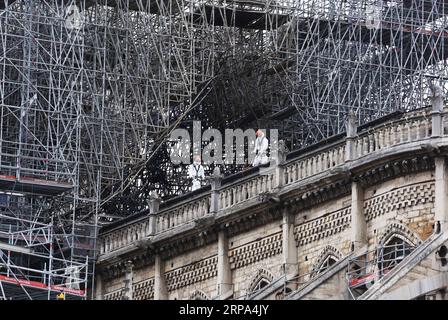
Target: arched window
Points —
{"points": [[327, 263], [261, 280], [260, 284], [392, 252], [327, 258], [199, 295]]}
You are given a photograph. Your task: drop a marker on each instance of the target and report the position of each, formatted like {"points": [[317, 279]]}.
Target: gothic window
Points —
{"points": [[260, 284], [199, 295], [327, 263], [327, 258], [392, 252], [262, 279]]}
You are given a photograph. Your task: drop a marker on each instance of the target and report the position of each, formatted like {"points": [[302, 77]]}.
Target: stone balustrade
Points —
{"points": [[390, 134], [124, 236], [180, 215], [168, 218], [309, 165], [302, 164], [245, 190]]}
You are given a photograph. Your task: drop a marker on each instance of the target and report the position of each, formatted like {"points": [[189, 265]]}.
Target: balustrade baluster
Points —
{"points": [[408, 129], [371, 142], [381, 139]]}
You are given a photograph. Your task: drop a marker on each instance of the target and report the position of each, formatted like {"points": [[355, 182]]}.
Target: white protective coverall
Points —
{"points": [[261, 147], [196, 172]]}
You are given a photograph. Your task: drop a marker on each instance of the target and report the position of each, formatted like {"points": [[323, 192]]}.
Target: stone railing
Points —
{"points": [[169, 217], [245, 190], [370, 139], [179, 215], [316, 162], [407, 129], [124, 236]]}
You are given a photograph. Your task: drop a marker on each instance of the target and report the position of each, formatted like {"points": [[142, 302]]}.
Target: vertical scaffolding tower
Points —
{"points": [[90, 90]]}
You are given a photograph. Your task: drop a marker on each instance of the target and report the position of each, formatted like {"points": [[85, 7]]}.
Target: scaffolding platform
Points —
{"points": [[357, 30], [15, 248], [34, 186], [133, 5], [239, 18], [37, 290]]}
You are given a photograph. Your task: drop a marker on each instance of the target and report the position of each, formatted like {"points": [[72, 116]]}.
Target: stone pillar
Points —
{"points": [[154, 204], [351, 129], [160, 290], [440, 194], [358, 224], [437, 110], [128, 289], [224, 284], [279, 157], [215, 181], [99, 286], [290, 260]]}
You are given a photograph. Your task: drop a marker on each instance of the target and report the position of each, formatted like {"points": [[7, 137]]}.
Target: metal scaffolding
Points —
{"points": [[365, 270], [90, 91]]}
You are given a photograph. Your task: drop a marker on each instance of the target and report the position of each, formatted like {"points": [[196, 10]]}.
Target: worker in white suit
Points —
{"points": [[261, 148], [196, 173]]}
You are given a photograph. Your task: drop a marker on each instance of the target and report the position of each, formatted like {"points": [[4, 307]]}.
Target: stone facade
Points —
{"points": [[323, 224]]}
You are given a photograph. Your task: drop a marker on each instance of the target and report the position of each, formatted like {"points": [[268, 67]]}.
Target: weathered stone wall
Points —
{"points": [[407, 200], [192, 271], [112, 288], [144, 283], [253, 252], [335, 288], [321, 227]]}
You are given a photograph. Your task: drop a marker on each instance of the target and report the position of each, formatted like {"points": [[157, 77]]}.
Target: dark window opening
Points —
{"points": [[262, 283], [328, 262], [392, 253]]}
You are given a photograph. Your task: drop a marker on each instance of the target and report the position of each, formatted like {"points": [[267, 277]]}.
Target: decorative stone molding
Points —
{"points": [[255, 251], [192, 273], [115, 295], [323, 227], [317, 195], [401, 198], [393, 169], [144, 290], [328, 251], [199, 295], [260, 275], [397, 229]]}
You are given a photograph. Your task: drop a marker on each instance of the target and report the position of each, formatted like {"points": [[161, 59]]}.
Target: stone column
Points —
{"points": [[160, 290], [351, 126], [128, 289], [358, 223], [440, 194], [224, 284], [437, 110], [154, 204], [280, 153], [290, 260], [99, 286], [215, 181]]}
